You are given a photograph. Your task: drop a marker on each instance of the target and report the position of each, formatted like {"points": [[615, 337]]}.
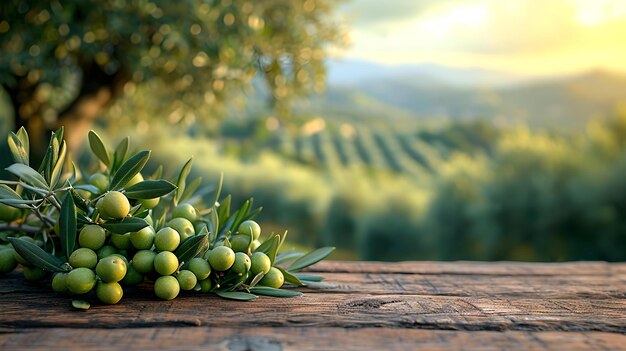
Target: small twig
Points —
{"points": [[19, 228]]}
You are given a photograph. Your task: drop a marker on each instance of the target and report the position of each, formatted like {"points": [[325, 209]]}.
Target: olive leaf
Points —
{"points": [[273, 249], [142, 214], [242, 213], [120, 154], [218, 191], [282, 240], [252, 214], [7, 193], [149, 189], [192, 247], [88, 187], [125, 225], [311, 284], [19, 203], [290, 278], [22, 135], [257, 278], [98, 148], [51, 157], [227, 242], [67, 225], [228, 225], [223, 211], [266, 246], [81, 304], [288, 256], [213, 225], [311, 258], [36, 256], [236, 295], [182, 179], [191, 189], [79, 201], [10, 197], [129, 169], [17, 148], [268, 291], [28, 175], [58, 167], [309, 277]]}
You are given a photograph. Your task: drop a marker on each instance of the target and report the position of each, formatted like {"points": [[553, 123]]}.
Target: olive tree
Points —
{"points": [[64, 62]]}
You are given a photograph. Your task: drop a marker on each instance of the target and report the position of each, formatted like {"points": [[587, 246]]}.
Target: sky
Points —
{"points": [[520, 36]]}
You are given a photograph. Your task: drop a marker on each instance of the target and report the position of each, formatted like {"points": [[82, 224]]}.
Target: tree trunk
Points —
{"points": [[97, 91]]}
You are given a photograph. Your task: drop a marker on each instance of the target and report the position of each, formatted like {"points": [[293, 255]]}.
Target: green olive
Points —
{"points": [[165, 263], [167, 239], [109, 293], [166, 287], [206, 285], [113, 205], [59, 283], [111, 269], [242, 263], [92, 237], [186, 279], [106, 251], [186, 211], [83, 257], [221, 258], [7, 260], [150, 203], [200, 267], [134, 180], [132, 277], [143, 261], [274, 278], [100, 181], [183, 226], [143, 239], [250, 227], [254, 245], [121, 241], [260, 263], [240, 243], [34, 274], [80, 280]]}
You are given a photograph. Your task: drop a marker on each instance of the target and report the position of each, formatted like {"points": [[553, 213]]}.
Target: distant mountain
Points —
{"points": [[431, 92], [349, 72]]}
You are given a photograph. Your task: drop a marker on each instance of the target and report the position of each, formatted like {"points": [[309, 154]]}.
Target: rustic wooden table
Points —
{"points": [[389, 306]]}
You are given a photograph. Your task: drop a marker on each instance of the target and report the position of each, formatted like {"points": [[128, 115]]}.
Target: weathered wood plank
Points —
{"points": [[584, 287], [299, 338], [568, 287], [474, 268], [401, 306], [474, 309]]}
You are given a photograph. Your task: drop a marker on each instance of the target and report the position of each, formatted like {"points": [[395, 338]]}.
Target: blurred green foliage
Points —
{"points": [[65, 62], [475, 192]]}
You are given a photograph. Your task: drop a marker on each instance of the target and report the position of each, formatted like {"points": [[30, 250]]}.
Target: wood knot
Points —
{"points": [[367, 304]]}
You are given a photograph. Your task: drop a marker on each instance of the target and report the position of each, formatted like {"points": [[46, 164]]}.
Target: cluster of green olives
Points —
{"points": [[102, 232], [106, 262]]}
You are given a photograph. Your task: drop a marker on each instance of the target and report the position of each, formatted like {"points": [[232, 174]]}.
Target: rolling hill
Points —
{"points": [[435, 93]]}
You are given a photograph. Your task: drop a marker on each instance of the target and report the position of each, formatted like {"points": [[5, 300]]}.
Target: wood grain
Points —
{"points": [[365, 306], [300, 338]]}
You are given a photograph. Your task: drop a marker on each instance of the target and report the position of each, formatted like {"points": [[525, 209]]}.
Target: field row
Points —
{"points": [[366, 148]]}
